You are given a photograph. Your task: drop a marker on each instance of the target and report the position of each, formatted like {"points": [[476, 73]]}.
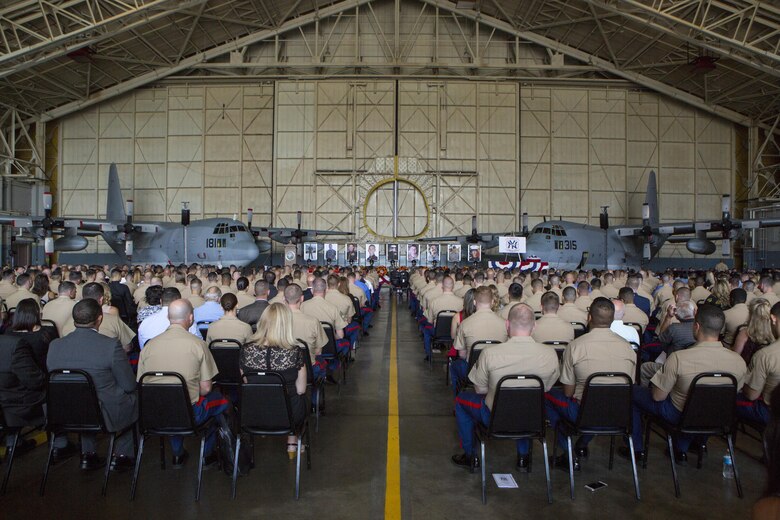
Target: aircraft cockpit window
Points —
{"points": [[546, 231], [221, 229], [233, 229], [241, 228]]}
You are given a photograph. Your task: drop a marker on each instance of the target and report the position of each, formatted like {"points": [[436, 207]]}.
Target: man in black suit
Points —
{"points": [[251, 313], [122, 298], [106, 362]]}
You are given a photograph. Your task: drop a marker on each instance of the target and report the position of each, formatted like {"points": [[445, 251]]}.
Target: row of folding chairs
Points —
{"points": [[164, 411]]}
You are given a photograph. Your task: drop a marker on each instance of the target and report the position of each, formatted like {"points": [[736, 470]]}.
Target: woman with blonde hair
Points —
{"points": [[274, 348], [108, 308], [758, 331], [720, 294]]}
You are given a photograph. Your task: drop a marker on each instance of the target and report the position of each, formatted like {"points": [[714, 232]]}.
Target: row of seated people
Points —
{"points": [[170, 341], [683, 329]]}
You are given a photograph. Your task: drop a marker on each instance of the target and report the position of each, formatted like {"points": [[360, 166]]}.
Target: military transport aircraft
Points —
{"points": [[569, 245], [486, 240], [211, 241]]}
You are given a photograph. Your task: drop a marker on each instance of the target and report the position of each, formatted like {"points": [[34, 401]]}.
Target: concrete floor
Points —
{"points": [[347, 479]]}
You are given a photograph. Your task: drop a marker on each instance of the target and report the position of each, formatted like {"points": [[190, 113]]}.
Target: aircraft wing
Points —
{"points": [[687, 228], [451, 238], [285, 234], [86, 227]]}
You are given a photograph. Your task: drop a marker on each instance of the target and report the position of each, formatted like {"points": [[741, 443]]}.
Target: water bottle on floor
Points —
{"points": [[728, 466]]}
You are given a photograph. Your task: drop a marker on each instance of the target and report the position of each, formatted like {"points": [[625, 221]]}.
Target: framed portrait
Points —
{"points": [[412, 253], [372, 253], [475, 253], [351, 253], [453, 253], [392, 253], [433, 253], [310, 252], [331, 253]]}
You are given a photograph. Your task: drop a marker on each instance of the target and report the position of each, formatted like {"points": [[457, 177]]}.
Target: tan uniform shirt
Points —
{"points": [[504, 313], [552, 328], [764, 374], [461, 292], [482, 325], [519, 355], [682, 366], [664, 293], [59, 310], [444, 302], [176, 350], [112, 326], [600, 350], [357, 292], [196, 300], [342, 302], [21, 294], [699, 293], [279, 298], [139, 294], [771, 297], [735, 317], [608, 291], [583, 302], [309, 329], [535, 301], [7, 289], [228, 327], [184, 290], [321, 309], [431, 294], [633, 314], [244, 299], [572, 314]]}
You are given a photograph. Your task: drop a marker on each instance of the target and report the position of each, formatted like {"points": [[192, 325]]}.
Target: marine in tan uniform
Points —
{"points": [[60, 309], [515, 294], [229, 326], [305, 327], [600, 350], [534, 300], [550, 327], [673, 381], [318, 307], [24, 283], [583, 296], [465, 287], [341, 301], [569, 312], [632, 313], [736, 316], [482, 325], [196, 297], [765, 286], [699, 293], [7, 287], [112, 326]]}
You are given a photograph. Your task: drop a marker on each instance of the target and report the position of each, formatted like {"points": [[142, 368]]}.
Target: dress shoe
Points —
{"points": [[67, 451], [624, 452], [562, 462], [523, 461], [210, 461], [465, 461], [90, 461], [122, 463], [179, 460], [680, 457]]}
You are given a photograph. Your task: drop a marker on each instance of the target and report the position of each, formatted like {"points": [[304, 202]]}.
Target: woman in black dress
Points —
{"points": [[274, 348], [27, 324]]}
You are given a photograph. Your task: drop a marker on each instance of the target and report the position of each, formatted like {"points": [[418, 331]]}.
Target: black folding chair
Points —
{"points": [[13, 433], [203, 327], [51, 327], [358, 314], [442, 333], [165, 410], [476, 349], [710, 409], [266, 410], [517, 413], [330, 352], [579, 328], [605, 409], [72, 405], [316, 386], [560, 347], [226, 353]]}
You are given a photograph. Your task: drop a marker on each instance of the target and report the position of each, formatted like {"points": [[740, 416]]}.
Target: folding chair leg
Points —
{"points": [[530, 456], [547, 471], [235, 467], [48, 465], [734, 465], [308, 448], [483, 463], [674, 465], [633, 466], [111, 441], [571, 466], [200, 465], [298, 470], [647, 444], [611, 451], [162, 453], [137, 469], [10, 460], [447, 373], [319, 394]]}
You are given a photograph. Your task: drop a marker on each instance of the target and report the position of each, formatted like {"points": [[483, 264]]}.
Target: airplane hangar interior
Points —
{"points": [[392, 229]]}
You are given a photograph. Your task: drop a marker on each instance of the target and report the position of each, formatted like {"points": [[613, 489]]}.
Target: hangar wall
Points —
{"points": [[494, 149]]}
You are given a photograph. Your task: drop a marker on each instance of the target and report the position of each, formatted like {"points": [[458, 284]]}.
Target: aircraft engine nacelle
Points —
{"points": [[72, 243], [700, 246]]}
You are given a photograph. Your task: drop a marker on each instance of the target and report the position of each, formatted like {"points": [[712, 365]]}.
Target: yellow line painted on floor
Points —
{"points": [[393, 480]]}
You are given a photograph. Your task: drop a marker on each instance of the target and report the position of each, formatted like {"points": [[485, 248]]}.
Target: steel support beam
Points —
{"points": [[601, 63], [201, 57]]}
